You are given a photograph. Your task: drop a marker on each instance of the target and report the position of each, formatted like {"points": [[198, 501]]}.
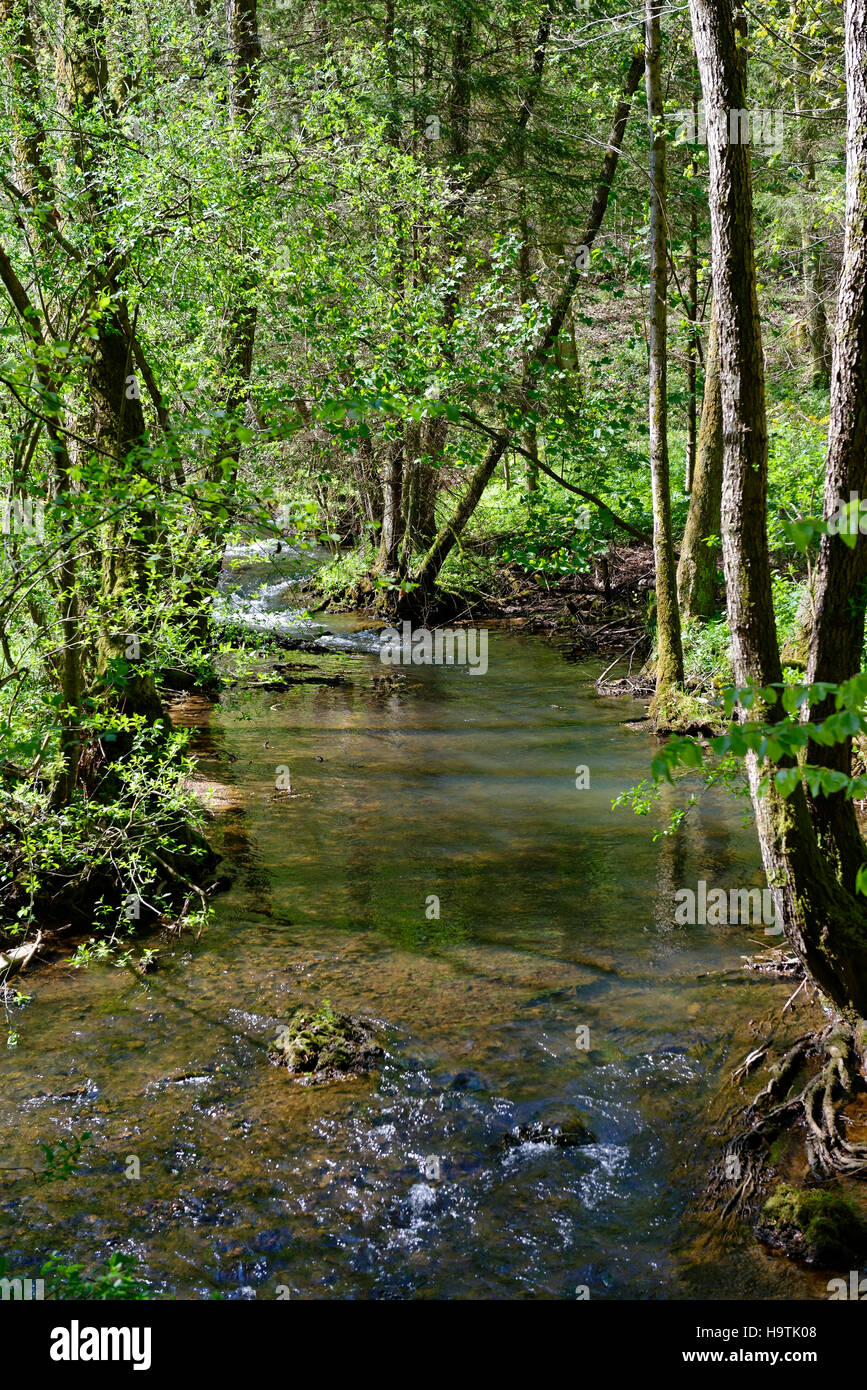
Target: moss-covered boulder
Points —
{"points": [[814, 1225], [321, 1045]]}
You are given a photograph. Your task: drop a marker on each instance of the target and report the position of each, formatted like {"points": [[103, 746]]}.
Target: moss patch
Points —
{"points": [[322, 1045], [817, 1226], [679, 711]]}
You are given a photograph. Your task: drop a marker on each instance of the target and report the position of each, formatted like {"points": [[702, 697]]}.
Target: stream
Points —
{"points": [[556, 914]]}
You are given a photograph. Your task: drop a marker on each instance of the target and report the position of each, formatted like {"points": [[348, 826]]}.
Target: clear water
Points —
{"points": [[555, 913]]}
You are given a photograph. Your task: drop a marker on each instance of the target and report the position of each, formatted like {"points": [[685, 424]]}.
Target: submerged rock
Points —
{"points": [[563, 1128], [822, 1228], [420, 1204], [323, 1045]]}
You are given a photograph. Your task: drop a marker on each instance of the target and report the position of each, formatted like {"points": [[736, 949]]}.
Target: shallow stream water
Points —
{"points": [[556, 914]]}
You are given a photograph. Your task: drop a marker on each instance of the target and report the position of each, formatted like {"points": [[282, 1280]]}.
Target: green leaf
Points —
{"points": [[786, 779]]}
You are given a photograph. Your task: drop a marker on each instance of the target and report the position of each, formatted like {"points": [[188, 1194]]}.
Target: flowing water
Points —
{"points": [[555, 916]]}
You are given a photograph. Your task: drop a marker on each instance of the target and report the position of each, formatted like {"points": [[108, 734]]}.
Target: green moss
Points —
{"points": [[816, 1225], [338, 580], [325, 1044], [778, 1149], [679, 711]]}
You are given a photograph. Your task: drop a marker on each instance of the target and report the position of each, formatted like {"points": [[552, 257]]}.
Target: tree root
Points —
{"points": [[816, 1103]]}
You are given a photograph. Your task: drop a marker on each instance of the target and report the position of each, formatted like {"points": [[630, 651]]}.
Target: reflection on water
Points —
{"points": [[555, 914]]}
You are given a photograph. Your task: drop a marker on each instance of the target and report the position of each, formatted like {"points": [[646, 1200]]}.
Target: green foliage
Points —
{"points": [[559, 535], [783, 740], [116, 1279], [339, 576], [62, 1161], [111, 844]]}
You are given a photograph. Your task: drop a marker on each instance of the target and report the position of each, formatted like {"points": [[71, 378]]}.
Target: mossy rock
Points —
{"points": [[816, 1226], [322, 1045], [679, 711]]}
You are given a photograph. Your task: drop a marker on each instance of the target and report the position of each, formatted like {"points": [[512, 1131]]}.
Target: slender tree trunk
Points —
{"points": [[433, 438], [419, 488], [244, 56], [796, 650], [395, 486], [459, 116], [449, 533], [527, 294], [696, 570], [66, 574], [392, 515], [692, 325], [669, 652], [37, 184], [815, 321]]}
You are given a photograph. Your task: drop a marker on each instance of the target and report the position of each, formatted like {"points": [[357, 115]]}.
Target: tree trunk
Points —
{"points": [[37, 185], [433, 439], [822, 922], [419, 488], [244, 55], [837, 636], [696, 570], [815, 322], [116, 424], [669, 652], [527, 294], [427, 573], [392, 515], [692, 325], [459, 129]]}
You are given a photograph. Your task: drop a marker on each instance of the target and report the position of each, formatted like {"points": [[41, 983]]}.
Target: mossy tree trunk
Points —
{"points": [[840, 582], [115, 426], [697, 566], [527, 295], [823, 922], [692, 316], [815, 334], [244, 56], [36, 181], [669, 652]]}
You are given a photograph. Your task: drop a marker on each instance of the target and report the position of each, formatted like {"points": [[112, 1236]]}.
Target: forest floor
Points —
{"points": [[604, 612], [601, 611]]}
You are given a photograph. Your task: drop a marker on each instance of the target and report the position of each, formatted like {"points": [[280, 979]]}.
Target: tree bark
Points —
{"points": [[696, 569], [66, 574], [392, 515], [815, 321], [116, 424], [692, 325], [449, 533], [243, 60], [37, 186], [840, 590], [669, 651], [822, 922]]}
